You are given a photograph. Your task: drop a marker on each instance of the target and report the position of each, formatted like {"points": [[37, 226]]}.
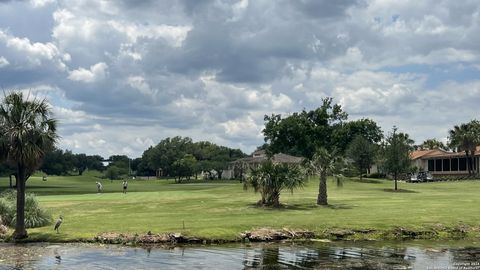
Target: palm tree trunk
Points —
{"points": [[20, 231], [322, 189], [470, 161], [395, 176], [263, 201], [475, 163], [469, 165], [276, 199]]}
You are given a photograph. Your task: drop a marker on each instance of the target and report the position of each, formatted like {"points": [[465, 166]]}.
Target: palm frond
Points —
{"points": [[27, 129]]}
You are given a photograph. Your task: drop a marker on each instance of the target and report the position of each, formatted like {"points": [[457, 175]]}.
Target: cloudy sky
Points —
{"points": [[123, 74]]}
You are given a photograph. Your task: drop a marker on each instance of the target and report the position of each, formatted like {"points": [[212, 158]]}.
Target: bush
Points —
{"points": [[35, 216], [7, 206], [114, 172], [269, 179], [6, 211], [9, 194]]}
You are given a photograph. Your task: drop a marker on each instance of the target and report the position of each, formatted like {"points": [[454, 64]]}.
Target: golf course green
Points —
{"points": [[222, 209]]}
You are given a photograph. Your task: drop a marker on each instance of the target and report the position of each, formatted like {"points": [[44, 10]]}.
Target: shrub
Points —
{"points": [[7, 206], [9, 194], [269, 179], [6, 210], [35, 216]]}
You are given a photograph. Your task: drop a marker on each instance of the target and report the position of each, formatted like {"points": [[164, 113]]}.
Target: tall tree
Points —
{"points": [[433, 144], [300, 134], [345, 133], [466, 137], [27, 131], [94, 162], [362, 153], [306, 134], [184, 167], [58, 162], [397, 154]]}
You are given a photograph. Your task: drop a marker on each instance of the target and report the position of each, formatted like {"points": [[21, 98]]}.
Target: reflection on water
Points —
{"points": [[343, 255], [327, 257]]}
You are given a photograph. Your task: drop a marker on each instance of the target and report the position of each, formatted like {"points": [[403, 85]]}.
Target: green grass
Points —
{"points": [[221, 210]]}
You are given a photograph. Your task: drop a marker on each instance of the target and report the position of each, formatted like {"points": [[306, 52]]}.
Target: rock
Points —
{"points": [[266, 234], [364, 231], [404, 233], [148, 238], [322, 240], [341, 234]]}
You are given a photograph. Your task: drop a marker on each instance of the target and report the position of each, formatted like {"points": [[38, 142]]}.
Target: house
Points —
{"points": [[238, 168], [442, 163]]}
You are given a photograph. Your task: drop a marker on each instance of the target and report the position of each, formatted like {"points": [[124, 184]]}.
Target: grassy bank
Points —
{"points": [[221, 210]]}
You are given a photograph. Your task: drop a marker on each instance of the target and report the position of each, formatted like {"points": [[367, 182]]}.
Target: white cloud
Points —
{"points": [[94, 73], [3, 62], [243, 128], [41, 3], [238, 10], [444, 56], [68, 116], [139, 83], [33, 53], [69, 25], [231, 96], [129, 51], [37, 49], [174, 35]]}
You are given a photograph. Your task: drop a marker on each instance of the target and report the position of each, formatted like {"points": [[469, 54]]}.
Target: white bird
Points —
{"points": [[58, 223]]}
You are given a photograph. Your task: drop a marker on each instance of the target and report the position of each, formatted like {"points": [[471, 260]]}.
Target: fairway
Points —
{"points": [[222, 209]]}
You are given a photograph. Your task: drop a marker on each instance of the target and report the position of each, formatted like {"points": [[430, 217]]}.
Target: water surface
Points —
{"points": [[339, 255]]}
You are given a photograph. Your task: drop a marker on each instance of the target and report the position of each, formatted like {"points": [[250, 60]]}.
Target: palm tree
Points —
{"points": [[324, 163], [466, 137], [27, 131], [269, 179], [431, 144]]}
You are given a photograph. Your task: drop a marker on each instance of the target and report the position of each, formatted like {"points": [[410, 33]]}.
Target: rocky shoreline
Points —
{"points": [[436, 232]]}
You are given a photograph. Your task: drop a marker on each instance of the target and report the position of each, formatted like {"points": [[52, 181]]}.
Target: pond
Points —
{"points": [[305, 255]]}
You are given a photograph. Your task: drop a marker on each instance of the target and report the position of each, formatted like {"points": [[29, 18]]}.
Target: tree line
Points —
{"points": [[177, 157], [181, 158]]}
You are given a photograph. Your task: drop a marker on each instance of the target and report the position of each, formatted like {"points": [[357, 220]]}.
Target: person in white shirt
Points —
{"points": [[99, 187]]}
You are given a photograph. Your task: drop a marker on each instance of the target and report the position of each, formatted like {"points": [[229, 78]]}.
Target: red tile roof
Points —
{"points": [[418, 154], [436, 153]]}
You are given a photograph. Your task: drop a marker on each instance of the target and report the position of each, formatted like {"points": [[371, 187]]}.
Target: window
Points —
{"points": [[446, 165], [454, 166], [438, 165], [431, 165], [462, 164]]}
